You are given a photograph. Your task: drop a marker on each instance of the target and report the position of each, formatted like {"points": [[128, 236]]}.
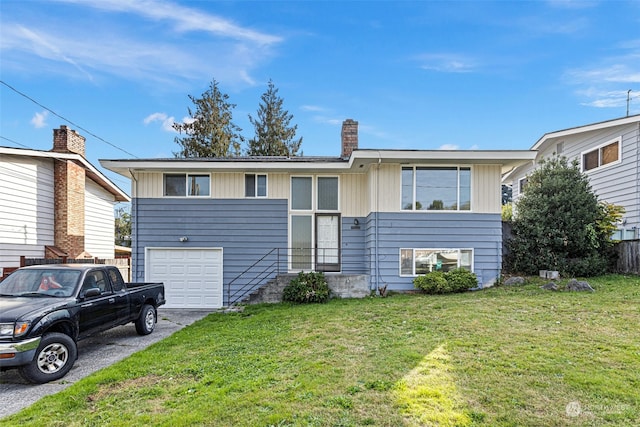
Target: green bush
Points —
{"points": [[437, 282], [431, 283], [460, 280], [307, 288]]}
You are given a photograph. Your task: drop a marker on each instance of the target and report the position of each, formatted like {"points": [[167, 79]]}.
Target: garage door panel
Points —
{"points": [[192, 277]]}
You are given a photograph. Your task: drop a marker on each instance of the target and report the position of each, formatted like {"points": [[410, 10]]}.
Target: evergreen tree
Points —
{"points": [[273, 135], [212, 132], [123, 227], [558, 223]]}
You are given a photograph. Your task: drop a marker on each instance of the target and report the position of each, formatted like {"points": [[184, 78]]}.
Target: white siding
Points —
{"points": [[485, 189], [354, 195], [26, 208], [99, 221]]}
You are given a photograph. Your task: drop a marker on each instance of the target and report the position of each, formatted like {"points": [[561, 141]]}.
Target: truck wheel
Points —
{"points": [[147, 320], [54, 358]]}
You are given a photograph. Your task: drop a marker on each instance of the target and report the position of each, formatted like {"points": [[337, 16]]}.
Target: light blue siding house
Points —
{"points": [[608, 153], [216, 229]]}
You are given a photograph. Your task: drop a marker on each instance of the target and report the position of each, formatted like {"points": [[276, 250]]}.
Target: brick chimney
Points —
{"points": [[68, 141], [69, 192], [349, 136]]}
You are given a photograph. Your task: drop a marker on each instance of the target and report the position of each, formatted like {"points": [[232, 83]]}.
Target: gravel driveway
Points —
{"points": [[94, 353]]}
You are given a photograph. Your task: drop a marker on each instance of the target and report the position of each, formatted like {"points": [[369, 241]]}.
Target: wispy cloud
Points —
{"points": [[165, 120], [449, 147], [447, 62], [572, 4], [135, 52], [39, 119], [606, 85], [313, 108], [182, 18]]}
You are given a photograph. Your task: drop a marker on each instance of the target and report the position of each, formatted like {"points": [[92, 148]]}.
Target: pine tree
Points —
{"points": [[273, 135], [212, 132]]}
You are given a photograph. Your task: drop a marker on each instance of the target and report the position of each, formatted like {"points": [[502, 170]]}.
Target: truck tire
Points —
{"points": [[55, 357], [146, 322]]}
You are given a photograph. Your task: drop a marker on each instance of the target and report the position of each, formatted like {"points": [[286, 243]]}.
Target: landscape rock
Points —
{"points": [[551, 286], [579, 286], [516, 280]]}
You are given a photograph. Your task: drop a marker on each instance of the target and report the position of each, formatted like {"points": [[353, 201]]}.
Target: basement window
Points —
{"points": [[187, 185], [414, 262]]}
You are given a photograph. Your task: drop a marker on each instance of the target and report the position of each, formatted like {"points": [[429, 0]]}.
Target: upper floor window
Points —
{"points": [[182, 185], [326, 193], [255, 185], [522, 184], [436, 188], [301, 193], [603, 155]]}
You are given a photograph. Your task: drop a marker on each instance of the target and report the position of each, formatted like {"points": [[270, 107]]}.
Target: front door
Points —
{"points": [[327, 242]]}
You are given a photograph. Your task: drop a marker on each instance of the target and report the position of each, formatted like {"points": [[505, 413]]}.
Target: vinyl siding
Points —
{"points": [[99, 221], [618, 183], [485, 188], [247, 229], [480, 232], [354, 195], [357, 190], [26, 208], [355, 256]]}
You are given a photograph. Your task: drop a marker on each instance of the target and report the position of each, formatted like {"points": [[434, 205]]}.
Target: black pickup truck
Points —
{"points": [[46, 309]]}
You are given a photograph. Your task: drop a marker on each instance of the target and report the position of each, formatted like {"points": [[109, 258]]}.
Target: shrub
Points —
{"points": [[307, 288], [460, 280], [437, 282], [560, 225], [431, 283]]}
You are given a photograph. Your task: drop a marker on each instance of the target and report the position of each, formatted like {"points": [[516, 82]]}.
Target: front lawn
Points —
{"points": [[507, 356]]}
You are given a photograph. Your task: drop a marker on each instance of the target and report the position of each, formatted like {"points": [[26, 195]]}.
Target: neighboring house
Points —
{"points": [[55, 203], [608, 153], [387, 215]]}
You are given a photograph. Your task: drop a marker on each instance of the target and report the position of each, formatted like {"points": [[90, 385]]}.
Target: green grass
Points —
{"points": [[507, 356]]}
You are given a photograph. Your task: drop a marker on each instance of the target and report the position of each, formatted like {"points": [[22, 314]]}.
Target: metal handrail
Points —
{"points": [[279, 260]]}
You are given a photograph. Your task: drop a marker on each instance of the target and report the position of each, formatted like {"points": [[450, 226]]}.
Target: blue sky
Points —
{"points": [[414, 74]]}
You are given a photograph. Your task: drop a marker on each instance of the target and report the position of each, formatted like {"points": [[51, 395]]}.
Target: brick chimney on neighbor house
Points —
{"points": [[69, 192], [349, 136]]}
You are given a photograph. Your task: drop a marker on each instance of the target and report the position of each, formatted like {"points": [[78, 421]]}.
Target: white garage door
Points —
{"points": [[192, 277]]}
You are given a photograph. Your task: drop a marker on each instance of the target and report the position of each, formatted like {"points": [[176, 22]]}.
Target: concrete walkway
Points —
{"points": [[94, 353]]}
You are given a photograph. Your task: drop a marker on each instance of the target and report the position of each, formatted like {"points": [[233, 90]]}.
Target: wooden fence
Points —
{"points": [[123, 264], [628, 256]]}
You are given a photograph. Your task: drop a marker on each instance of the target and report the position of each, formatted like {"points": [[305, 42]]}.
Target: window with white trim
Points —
{"points": [[522, 184], [186, 185], [255, 185], [606, 154], [422, 261], [436, 188]]}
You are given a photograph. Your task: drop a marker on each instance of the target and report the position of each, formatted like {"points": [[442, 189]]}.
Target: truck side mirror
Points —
{"points": [[93, 292]]}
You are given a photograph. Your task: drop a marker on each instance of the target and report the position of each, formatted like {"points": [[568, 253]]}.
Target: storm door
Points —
{"points": [[327, 242]]}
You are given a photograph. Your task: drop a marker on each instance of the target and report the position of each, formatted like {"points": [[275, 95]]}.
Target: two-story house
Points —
{"points": [[389, 215], [55, 203], [608, 153]]}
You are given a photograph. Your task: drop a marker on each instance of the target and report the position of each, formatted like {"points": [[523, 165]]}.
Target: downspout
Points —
{"points": [[377, 248], [134, 241]]}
